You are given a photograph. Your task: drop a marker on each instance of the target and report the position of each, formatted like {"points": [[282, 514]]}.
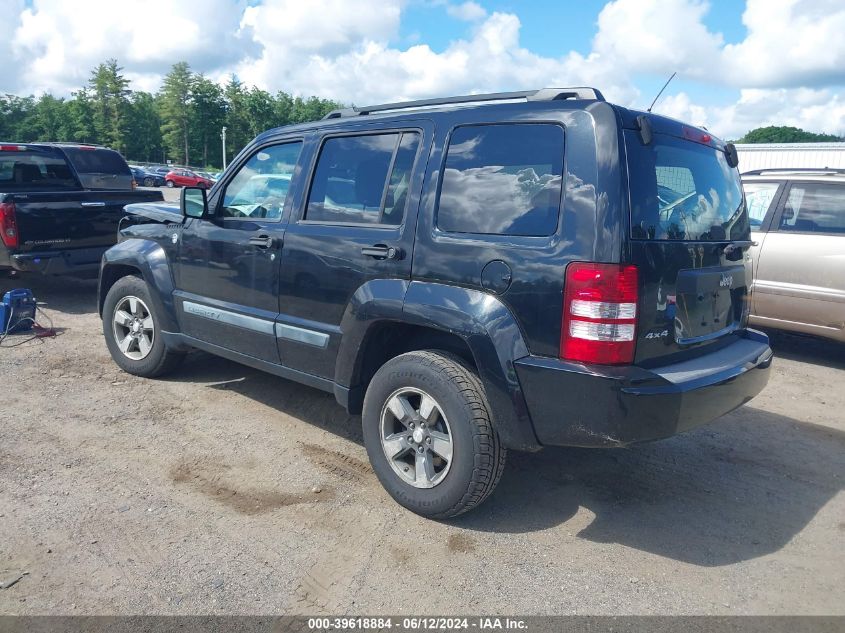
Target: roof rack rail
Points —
{"points": [[794, 170], [544, 94]]}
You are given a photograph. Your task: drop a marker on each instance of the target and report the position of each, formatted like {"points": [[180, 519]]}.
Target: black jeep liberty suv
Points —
{"points": [[470, 274]]}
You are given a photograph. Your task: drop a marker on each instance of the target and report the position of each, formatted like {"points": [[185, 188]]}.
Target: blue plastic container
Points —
{"points": [[17, 311]]}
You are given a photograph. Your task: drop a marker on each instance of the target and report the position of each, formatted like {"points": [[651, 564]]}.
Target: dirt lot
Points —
{"points": [[199, 494]]}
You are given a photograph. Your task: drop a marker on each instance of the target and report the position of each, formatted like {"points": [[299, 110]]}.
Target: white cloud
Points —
{"points": [[680, 106], [789, 68], [659, 36], [467, 11], [815, 110], [56, 43], [372, 70], [9, 72], [789, 43]]}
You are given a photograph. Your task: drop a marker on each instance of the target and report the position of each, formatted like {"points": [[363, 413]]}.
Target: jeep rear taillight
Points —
{"points": [[8, 225], [599, 313]]}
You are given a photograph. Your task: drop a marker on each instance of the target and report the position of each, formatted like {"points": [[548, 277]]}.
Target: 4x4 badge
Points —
{"points": [[726, 281]]}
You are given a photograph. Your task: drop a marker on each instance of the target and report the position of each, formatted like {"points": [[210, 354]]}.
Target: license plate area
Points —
{"points": [[708, 303]]}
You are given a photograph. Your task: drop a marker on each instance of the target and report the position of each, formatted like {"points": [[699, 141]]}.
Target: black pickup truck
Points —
{"points": [[60, 206]]}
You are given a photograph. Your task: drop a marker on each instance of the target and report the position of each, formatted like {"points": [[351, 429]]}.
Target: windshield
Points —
{"points": [[681, 190]]}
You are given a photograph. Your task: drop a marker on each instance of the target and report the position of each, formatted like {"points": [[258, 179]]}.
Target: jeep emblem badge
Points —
{"points": [[726, 281]]}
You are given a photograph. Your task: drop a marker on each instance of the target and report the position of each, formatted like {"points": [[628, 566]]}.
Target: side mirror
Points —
{"points": [[193, 202]]}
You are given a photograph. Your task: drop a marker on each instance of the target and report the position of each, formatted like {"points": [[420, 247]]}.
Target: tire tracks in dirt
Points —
{"points": [[325, 586]]}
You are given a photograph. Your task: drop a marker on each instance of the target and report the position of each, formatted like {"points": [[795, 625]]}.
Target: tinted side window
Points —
{"points": [[758, 199], [400, 179], [362, 179], [814, 208], [260, 188], [502, 179], [32, 171]]}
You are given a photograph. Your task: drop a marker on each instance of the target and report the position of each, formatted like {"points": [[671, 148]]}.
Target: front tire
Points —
{"points": [[132, 331], [428, 433], [170, 183], [148, 182]]}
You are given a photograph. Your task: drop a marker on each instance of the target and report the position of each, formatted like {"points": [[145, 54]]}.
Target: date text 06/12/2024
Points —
{"points": [[417, 624]]}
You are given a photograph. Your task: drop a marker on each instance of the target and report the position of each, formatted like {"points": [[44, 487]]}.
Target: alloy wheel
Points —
{"points": [[416, 437], [132, 324]]}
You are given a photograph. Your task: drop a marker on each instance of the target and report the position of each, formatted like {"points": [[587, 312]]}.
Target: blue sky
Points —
{"points": [[554, 28], [741, 63]]}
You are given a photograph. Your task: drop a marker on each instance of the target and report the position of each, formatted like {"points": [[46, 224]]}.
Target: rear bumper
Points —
{"points": [[572, 404], [78, 261]]}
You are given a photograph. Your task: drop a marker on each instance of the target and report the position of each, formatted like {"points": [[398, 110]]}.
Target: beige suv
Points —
{"points": [[798, 223]]}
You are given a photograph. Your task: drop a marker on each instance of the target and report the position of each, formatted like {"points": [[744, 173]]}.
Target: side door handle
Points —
{"points": [[381, 251], [261, 241]]}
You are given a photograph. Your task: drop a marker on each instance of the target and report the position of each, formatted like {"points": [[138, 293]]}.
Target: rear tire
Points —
{"points": [[148, 182], [132, 331], [440, 398]]}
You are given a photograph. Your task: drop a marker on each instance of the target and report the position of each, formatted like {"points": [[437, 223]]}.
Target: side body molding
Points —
{"points": [[151, 260], [495, 340]]}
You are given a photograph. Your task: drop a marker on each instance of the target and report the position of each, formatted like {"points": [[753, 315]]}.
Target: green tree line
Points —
{"points": [[182, 122], [786, 134]]}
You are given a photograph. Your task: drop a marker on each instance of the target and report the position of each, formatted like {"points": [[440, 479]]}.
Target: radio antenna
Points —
{"points": [[661, 91]]}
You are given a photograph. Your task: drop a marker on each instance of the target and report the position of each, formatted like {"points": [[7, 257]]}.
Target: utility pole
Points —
{"points": [[223, 136]]}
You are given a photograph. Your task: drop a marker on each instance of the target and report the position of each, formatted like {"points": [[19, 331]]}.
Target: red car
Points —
{"points": [[186, 178]]}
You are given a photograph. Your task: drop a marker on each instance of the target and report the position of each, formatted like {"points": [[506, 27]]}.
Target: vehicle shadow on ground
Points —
{"points": [[56, 294], [738, 489], [807, 349]]}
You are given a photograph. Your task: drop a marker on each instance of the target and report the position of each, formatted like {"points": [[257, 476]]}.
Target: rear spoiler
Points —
{"points": [[643, 124]]}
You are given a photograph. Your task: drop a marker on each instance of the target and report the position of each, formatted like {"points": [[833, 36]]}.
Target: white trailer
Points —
{"points": [[753, 156]]}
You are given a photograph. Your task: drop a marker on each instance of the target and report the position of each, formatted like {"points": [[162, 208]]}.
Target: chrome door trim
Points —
{"points": [[225, 316], [302, 335]]}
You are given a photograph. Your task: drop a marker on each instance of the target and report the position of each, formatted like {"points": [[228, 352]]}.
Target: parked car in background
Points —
{"points": [[798, 223], [470, 276], [208, 175], [60, 205], [146, 178], [186, 178]]}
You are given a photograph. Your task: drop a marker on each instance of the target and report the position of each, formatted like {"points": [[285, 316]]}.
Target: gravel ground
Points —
{"points": [[225, 490]]}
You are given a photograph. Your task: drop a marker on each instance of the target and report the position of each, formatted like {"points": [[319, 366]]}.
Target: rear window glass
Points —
{"points": [[31, 171], [96, 161], [502, 179], [681, 190], [100, 168], [814, 208]]}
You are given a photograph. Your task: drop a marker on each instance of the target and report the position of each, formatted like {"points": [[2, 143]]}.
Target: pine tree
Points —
{"points": [[79, 118], [110, 91], [209, 116], [49, 116], [145, 128], [176, 109], [237, 126]]}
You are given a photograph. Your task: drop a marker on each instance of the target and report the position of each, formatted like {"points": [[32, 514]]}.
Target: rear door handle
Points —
{"points": [[261, 241], [93, 204], [380, 251]]}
